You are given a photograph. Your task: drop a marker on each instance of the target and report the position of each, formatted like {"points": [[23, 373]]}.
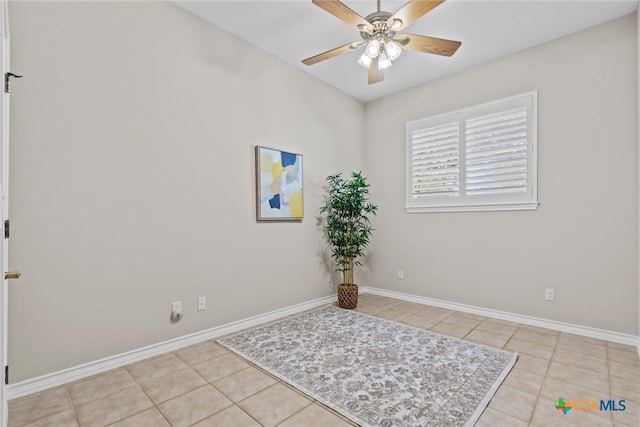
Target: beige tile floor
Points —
{"points": [[206, 385]]}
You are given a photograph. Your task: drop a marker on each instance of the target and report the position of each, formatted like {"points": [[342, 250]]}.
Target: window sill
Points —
{"points": [[528, 206]]}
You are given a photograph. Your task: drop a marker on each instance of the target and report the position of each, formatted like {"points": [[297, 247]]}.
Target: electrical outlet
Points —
{"points": [[176, 311], [549, 294], [202, 303], [400, 275]]}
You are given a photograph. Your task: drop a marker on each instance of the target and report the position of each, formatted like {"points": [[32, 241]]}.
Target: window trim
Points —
{"points": [[491, 203]]}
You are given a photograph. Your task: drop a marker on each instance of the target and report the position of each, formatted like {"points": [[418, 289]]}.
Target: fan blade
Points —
{"points": [[428, 44], [342, 12], [375, 75], [412, 11], [331, 53]]}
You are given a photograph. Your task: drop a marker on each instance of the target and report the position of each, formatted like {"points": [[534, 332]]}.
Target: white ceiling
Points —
{"points": [[293, 30]]}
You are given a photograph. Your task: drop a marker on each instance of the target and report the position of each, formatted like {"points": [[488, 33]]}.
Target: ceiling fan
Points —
{"points": [[379, 32]]}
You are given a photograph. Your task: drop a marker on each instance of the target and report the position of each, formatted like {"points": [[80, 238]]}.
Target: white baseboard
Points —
{"points": [[518, 318], [65, 376]]}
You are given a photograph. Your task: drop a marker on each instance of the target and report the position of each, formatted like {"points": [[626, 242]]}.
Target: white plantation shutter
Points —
{"points": [[479, 158], [496, 153], [435, 161]]}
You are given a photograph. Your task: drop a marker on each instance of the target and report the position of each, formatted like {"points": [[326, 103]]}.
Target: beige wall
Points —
{"points": [[132, 182], [132, 178], [583, 239]]}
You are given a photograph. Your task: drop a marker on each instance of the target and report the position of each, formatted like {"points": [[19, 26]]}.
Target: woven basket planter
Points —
{"points": [[347, 296]]}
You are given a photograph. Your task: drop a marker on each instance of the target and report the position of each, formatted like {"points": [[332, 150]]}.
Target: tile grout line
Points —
{"points": [[73, 406], [609, 378], [544, 380], [155, 406], [312, 401]]}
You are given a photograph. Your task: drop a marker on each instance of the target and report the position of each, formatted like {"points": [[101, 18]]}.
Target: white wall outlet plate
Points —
{"points": [[176, 311], [549, 294]]}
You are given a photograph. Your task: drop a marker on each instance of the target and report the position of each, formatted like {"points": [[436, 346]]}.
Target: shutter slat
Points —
{"points": [[489, 180], [515, 185], [435, 139], [432, 195], [512, 190], [426, 174], [435, 155], [426, 162], [496, 128], [442, 145], [495, 172], [490, 165], [504, 157], [418, 182], [506, 139], [498, 117]]}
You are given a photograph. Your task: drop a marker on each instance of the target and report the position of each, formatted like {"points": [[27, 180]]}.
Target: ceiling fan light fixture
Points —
{"points": [[392, 49], [373, 48], [364, 60], [383, 61], [378, 31]]}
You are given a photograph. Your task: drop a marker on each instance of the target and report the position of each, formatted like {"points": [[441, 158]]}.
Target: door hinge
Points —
{"points": [[7, 84], [7, 229], [6, 374]]}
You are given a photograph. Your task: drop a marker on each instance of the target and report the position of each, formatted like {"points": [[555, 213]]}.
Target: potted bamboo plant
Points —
{"points": [[348, 229]]}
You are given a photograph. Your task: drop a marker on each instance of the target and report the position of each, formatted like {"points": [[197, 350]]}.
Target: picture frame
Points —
{"points": [[279, 185]]}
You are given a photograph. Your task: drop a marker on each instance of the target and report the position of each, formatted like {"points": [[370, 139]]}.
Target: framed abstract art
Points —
{"points": [[278, 185]]}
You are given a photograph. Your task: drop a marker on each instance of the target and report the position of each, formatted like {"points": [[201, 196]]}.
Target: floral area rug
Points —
{"points": [[377, 372]]}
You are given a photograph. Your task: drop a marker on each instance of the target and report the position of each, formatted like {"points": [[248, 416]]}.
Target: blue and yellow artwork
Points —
{"points": [[279, 185]]}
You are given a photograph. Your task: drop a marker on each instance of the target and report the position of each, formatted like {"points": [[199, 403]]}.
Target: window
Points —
{"points": [[475, 159]]}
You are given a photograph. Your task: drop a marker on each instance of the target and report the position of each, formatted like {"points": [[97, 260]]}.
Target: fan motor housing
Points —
{"points": [[378, 20]]}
